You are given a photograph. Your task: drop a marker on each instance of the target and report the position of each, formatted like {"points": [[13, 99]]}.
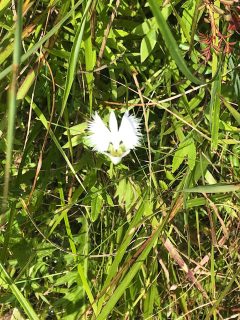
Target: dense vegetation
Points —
{"points": [[157, 235]]}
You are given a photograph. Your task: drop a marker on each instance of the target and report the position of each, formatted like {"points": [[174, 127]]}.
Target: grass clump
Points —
{"points": [[156, 236]]}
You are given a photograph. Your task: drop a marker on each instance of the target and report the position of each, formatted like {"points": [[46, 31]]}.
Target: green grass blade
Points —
{"points": [[74, 57], [12, 101], [214, 188], [171, 42], [90, 60], [215, 111], [233, 111], [18, 295]]}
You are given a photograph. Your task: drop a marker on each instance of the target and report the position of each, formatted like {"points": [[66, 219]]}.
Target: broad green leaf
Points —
{"points": [[96, 203], [76, 140], [77, 129], [120, 33], [186, 149], [192, 155], [121, 191], [3, 5], [6, 53], [147, 45], [145, 27]]}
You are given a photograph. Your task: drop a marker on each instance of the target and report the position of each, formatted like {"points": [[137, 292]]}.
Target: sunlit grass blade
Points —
{"points": [[171, 42], [90, 59], [82, 273], [214, 188], [233, 111], [215, 111]]}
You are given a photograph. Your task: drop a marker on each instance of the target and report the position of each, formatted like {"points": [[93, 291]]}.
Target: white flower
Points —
{"points": [[114, 142]]}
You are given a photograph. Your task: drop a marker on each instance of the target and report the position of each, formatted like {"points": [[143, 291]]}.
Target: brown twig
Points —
{"points": [[213, 206]]}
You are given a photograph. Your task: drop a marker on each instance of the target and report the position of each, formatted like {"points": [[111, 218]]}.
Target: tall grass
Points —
{"points": [[156, 236]]}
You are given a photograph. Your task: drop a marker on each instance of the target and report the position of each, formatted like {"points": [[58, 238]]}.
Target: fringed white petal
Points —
{"points": [[129, 131], [100, 136]]}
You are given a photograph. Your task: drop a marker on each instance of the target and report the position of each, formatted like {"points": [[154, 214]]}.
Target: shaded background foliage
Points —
{"points": [[82, 238]]}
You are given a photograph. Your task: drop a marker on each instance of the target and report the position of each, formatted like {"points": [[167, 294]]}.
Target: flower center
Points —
{"points": [[116, 152]]}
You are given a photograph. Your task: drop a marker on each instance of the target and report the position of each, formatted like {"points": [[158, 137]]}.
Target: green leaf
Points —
{"points": [[147, 45], [96, 204], [74, 142], [4, 4], [191, 155], [145, 27], [112, 272], [77, 129], [125, 282], [186, 149]]}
